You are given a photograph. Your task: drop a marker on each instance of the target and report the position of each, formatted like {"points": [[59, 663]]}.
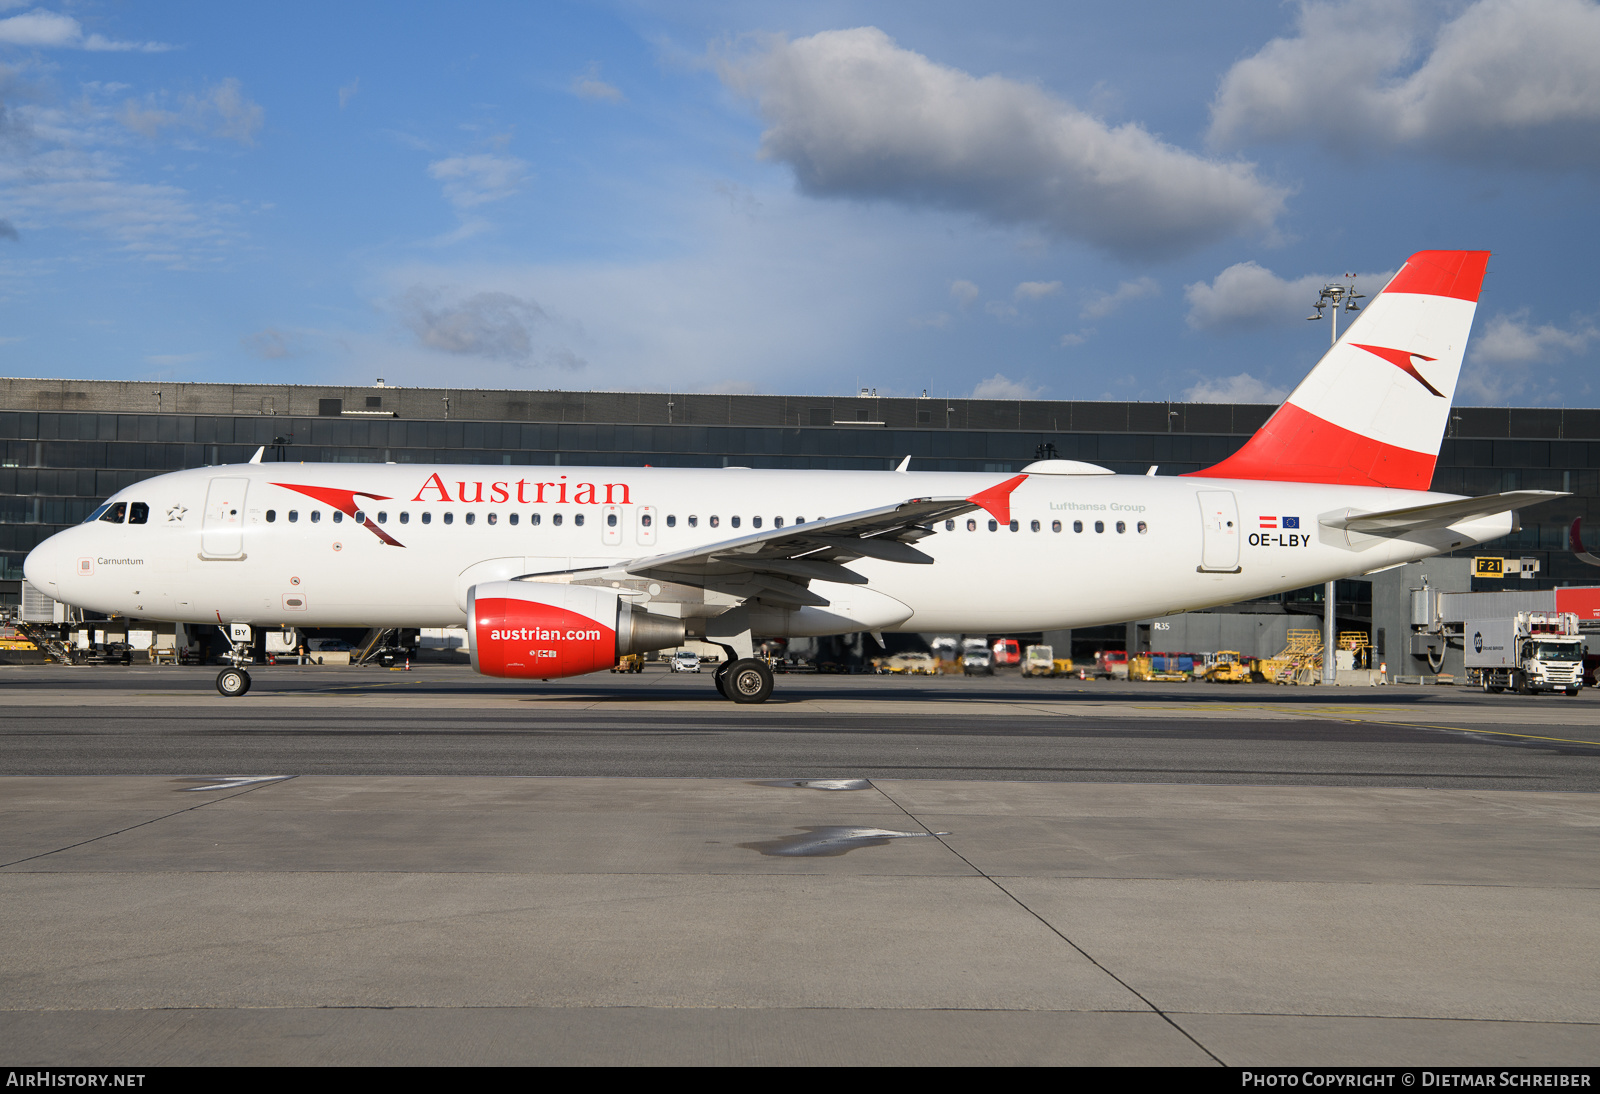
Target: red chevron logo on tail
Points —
{"points": [[1401, 360]]}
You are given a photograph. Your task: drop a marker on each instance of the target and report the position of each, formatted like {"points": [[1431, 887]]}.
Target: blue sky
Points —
{"points": [[1009, 199]]}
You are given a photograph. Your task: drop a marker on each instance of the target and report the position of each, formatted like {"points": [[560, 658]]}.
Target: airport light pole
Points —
{"points": [[1332, 295]]}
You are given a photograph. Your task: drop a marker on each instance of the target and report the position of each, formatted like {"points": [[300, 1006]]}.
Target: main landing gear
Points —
{"points": [[234, 681], [746, 680]]}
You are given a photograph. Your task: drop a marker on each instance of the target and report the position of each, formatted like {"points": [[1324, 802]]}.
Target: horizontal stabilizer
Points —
{"points": [[1418, 518]]}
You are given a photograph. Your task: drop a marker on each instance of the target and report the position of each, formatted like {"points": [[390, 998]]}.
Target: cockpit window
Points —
{"points": [[138, 513], [115, 512], [94, 516]]}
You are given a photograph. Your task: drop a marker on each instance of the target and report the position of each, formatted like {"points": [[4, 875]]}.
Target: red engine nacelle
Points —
{"points": [[545, 630]]}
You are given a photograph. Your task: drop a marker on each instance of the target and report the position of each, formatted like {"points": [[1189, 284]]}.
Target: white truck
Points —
{"points": [[1529, 652]]}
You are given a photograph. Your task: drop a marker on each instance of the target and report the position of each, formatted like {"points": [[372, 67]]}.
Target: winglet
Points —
{"points": [[1577, 544], [997, 499]]}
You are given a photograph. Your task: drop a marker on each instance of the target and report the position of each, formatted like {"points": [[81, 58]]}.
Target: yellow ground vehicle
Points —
{"points": [[1228, 667], [629, 662]]}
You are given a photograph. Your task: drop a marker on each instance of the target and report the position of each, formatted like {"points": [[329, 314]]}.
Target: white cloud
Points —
{"points": [[1247, 295], [1511, 339], [348, 92], [1242, 388], [272, 344], [1497, 81], [856, 116], [1104, 303], [1077, 339], [964, 292], [1507, 362], [999, 386], [42, 29], [591, 86], [221, 110], [495, 325], [1000, 309], [1036, 290], [470, 181]]}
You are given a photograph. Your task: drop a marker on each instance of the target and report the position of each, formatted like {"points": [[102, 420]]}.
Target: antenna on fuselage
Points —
{"points": [[262, 451]]}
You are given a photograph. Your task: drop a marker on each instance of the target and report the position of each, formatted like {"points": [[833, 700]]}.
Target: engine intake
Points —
{"points": [[545, 630]]}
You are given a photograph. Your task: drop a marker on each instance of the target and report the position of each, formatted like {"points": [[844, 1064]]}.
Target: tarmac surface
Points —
{"points": [[357, 866]]}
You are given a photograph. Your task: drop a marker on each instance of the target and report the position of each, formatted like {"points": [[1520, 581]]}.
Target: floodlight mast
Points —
{"points": [[1332, 295]]}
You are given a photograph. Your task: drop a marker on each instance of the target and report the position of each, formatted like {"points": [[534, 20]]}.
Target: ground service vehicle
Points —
{"points": [[558, 570], [911, 663], [977, 663], [1111, 665], [1530, 652], [1228, 667], [684, 661], [1007, 651]]}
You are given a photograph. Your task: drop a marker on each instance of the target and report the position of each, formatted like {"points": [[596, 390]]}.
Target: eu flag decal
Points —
{"points": [[1291, 522]]}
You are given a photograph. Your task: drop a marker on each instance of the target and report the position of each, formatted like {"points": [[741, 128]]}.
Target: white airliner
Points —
{"points": [[558, 571]]}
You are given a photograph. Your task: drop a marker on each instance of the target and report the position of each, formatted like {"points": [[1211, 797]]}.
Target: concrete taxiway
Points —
{"points": [[1382, 879]]}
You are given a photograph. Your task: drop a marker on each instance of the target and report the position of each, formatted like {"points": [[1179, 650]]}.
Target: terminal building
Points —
{"points": [[68, 444]]}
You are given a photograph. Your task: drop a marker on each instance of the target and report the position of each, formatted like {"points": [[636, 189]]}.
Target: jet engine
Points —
{"points": [[545, 630]]}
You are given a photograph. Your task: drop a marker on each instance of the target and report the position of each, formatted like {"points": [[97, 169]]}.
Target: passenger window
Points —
{"points": [[383, 518], [405, 518], [734, 521], [338, 517], [1016, 525], [1121, 527], [577, 520], [949, 526], [1034, 525], [316, 516], [715, 521], [272, 516], [449, 518], [972, 526], [646, 520], [1143, 527], [1055, 526], [472, 518], [755, 522], [555, 518], [115, 514], [611, 520], [512, 518], [1077, 526], [534, 519], [361, 517], [139, 513], [777, 522], [294, 516], [427, 518], [694, 521], [672, 520], [994, 526], [1099, 526], [493, 518]]}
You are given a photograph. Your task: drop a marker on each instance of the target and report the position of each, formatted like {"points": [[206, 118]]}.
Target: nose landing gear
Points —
{"points": [[235, 681]]}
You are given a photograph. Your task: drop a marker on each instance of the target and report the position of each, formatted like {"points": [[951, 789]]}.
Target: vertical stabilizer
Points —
{"points": [[1374, 409]]}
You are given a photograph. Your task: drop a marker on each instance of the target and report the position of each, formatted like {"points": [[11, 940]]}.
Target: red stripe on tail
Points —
{"points": [[1442, 273], [1297, 446]]}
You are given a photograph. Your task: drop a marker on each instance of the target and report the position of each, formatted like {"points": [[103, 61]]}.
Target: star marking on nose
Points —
{"points": [[175, 514], [1401, 360]]}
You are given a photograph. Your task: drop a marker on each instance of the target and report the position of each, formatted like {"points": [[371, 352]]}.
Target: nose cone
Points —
{"points": [[43, 565]]}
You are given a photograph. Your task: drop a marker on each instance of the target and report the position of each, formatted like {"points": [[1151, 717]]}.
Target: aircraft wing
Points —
{"points": [[779, 563], [1417, 518]]}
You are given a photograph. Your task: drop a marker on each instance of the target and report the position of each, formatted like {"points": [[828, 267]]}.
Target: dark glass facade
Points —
{"points": [[67, 445]]}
